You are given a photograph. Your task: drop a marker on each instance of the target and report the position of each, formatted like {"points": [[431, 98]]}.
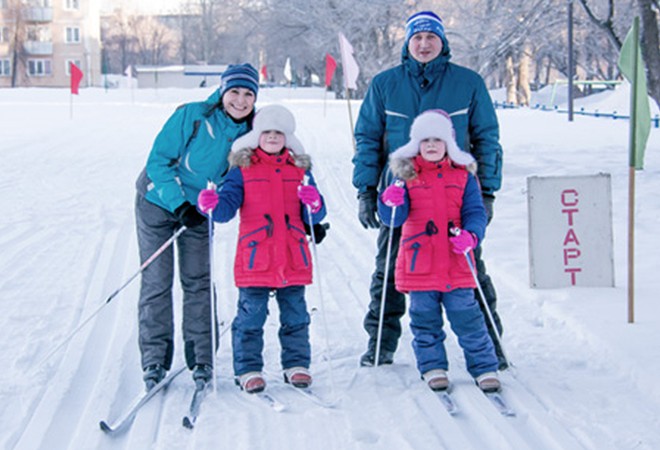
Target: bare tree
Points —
{"points": [[154, 41], [15, 11], [648, 10], [606, 24], [119, 41], [520, 42]]}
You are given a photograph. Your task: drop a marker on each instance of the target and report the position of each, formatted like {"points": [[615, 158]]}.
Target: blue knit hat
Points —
{"points": [[239, 75], [424, 21]]}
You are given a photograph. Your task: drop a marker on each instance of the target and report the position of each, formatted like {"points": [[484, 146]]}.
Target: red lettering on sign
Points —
{"points": [[573, 272], [570, 199], [571, 237], [571, 253], [570, 212]]}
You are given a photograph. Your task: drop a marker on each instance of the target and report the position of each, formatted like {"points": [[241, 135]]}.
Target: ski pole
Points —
{"points": [[214, 346], [455, 231], [144, 265], [318, 276], [388, 254]]}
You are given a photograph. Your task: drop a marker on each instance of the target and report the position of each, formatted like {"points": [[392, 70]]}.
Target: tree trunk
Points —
{"points": [[650, 47], [524, 92], [510, 80]]}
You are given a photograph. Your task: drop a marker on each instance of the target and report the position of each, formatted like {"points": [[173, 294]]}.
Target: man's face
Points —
{"points": [[425, 46]]}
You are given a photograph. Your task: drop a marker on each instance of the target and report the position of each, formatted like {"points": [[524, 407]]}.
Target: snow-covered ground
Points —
{"points": [[584, 377]]}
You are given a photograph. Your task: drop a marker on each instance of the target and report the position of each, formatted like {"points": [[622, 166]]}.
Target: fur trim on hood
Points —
{"points": [[404, 168], [434, 123], [243, 158], [271, 117]]}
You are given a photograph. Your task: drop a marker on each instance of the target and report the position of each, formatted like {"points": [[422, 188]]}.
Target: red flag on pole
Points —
{"points": [[330, 66], [264, 74], [76, 76]]}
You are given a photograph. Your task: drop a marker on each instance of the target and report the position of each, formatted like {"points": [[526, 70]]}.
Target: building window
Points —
{"points": [[38, 33], [39, 67], [5, 67], [72, 35], [68, 62], [71, 4], [4, 34]]}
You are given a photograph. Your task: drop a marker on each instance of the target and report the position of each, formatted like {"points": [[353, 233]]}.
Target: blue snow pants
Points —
{"points": [[466, 321], [248, 328]]}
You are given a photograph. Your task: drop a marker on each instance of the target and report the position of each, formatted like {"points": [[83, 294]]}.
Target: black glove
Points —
{"points": [[319, 230], [489, 199], [188, 215], [367, 208]]}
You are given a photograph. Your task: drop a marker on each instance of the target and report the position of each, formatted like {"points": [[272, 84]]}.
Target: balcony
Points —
{"points": [[38, 14], [36, 48]]}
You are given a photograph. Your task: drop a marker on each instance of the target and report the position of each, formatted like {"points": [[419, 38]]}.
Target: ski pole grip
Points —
{"points": [[210, 185], [453, 229]]}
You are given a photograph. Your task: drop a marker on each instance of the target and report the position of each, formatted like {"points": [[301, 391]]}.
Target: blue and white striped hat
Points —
{"points": [[424, 21], [240, 75]]}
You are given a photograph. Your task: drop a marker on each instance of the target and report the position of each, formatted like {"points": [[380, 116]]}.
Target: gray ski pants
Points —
{"points": [[155, 309]]}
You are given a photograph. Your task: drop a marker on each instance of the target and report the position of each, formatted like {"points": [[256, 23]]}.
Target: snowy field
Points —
{"points": [[584, 377]]}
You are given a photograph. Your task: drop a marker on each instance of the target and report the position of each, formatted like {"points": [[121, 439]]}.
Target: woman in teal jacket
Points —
{"points": [[190, 150], [424, 80]]}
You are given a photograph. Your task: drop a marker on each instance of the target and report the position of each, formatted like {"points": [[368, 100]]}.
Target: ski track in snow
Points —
{"points": [[98, 373]]}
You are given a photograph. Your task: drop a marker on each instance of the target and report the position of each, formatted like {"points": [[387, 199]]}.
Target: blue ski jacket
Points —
{"points": [[397, 95], [190, 150]]}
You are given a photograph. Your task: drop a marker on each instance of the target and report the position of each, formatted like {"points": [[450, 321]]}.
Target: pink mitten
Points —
{"points": [[207, 199], [310, 196], [393, 196], [463, 242]]}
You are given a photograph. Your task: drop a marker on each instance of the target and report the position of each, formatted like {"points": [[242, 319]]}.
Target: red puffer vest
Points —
{"points": [[272, 244], [425, 261]]}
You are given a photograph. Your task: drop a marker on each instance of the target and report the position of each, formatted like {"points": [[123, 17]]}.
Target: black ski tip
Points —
{"points": [[187, 423], [105, 427]]}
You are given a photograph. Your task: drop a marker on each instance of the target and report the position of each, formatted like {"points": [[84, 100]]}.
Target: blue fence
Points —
{"points": [[655, 121]]}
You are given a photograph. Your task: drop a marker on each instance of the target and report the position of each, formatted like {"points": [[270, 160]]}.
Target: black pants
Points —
{"points": [[395, 302]]}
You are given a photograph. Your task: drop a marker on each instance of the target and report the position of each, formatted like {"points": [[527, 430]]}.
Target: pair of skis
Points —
{"points": [[200, 393], [127, 417], [496, 398], [138, 403]]}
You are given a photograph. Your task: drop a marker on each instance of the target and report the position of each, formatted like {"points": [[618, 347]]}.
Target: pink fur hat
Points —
{"points": [[434, 123]]}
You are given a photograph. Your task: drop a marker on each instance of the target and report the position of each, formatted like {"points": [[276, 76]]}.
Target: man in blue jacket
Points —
{"points": [[424, 80]]}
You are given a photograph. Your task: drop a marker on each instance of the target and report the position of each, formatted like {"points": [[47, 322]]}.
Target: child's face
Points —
{"points": [[433, 149], [271, 141]]}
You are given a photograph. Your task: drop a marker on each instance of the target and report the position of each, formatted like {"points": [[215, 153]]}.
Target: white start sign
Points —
{"points": [[570, 231]]}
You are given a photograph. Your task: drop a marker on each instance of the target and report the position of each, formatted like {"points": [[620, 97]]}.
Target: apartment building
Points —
{"points": [[39, 38]]}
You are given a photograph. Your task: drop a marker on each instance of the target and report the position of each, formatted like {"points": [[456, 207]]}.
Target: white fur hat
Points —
{"points": [[271, 117], [434, 123]]}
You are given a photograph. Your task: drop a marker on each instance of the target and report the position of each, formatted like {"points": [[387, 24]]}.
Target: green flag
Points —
{"points": [[632, 67]]}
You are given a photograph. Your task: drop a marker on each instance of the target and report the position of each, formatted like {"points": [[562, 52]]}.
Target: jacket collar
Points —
{"points": [[423, 165], [278, 159]]}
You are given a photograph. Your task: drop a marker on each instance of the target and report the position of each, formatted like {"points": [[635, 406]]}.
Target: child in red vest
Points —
{"points": [[435, 191], [271, 183]]}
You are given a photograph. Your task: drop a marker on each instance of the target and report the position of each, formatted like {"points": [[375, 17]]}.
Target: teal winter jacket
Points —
{"points": [[397, 95], [190, 150]]}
